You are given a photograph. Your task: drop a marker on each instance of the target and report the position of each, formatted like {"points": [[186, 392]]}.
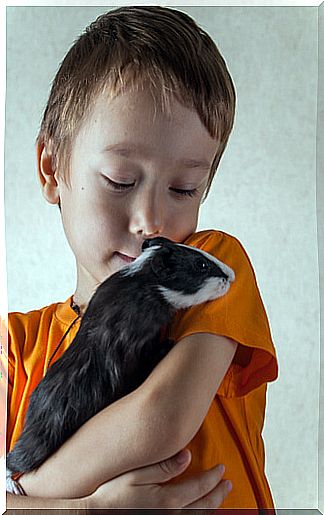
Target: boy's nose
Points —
{"points": [[147, 227], [147, 218]]}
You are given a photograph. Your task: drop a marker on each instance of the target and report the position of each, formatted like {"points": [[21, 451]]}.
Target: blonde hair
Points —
{"points": [[127, 48]]}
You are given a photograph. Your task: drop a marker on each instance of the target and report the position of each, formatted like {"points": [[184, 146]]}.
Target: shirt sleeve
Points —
{"points": [[5, 384], [239, 315], [14, 377]]}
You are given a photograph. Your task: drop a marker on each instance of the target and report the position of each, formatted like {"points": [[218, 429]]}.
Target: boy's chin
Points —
{"points": [[116, 263]]}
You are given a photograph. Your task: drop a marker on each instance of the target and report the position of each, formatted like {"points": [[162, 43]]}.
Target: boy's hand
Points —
{"points": [[144, 488]]}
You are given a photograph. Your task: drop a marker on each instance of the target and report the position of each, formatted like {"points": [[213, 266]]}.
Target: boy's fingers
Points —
{"points": [[197, 488], [204, 490], [215, 498], [163, 471]]}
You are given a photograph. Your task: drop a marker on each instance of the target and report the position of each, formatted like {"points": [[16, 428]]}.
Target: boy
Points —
{"points": [[137, 121]]}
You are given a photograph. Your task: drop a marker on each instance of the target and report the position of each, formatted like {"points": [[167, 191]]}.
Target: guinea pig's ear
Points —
{"points": [[161, 263]]}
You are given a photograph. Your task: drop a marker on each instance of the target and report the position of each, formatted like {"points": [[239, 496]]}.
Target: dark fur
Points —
{"points": [[117, 346]]}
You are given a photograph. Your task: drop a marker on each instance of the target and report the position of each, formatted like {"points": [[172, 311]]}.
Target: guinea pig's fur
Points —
{"points": [[118, 343]]}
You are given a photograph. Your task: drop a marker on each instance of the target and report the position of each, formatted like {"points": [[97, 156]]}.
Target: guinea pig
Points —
{"points": [[118, 344]]}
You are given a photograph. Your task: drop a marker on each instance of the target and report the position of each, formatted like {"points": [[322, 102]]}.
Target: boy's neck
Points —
{"points": [[75, 308], [85, 288], [78, 306]]}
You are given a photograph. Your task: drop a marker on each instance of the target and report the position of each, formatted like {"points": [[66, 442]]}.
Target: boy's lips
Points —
{"points": [[125, 257]]}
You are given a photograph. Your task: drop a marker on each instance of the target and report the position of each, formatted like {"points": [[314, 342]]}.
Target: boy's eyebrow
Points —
{"points": [[127, 150]]}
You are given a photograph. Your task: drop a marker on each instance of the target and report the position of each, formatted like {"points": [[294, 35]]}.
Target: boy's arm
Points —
{"points": [[147, 487], [147, 426], [21, 502]]}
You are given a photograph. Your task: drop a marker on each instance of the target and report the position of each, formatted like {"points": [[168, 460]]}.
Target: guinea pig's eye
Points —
{"points": [[201, 265]]}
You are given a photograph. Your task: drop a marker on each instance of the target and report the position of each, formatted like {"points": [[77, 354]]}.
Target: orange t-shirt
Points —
{"points": [[231, 431]]}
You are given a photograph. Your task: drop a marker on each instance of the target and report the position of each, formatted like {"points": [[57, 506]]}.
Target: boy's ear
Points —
{"points": [[46, 174]]}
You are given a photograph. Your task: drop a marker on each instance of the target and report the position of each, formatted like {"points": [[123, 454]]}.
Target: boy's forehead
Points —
{"points": [[131, 98], [129, 122]]}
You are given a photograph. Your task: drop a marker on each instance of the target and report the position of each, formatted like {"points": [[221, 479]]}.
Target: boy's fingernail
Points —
{"points": [[221, 469], [182, 457], [228, 486]]}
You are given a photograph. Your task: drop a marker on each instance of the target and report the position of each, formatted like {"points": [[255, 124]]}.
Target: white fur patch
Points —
{"points": [[213, 288], [139, 262]]}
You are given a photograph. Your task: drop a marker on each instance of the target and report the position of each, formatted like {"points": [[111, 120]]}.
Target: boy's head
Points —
{"points": [[137, 120], [124, 50]]}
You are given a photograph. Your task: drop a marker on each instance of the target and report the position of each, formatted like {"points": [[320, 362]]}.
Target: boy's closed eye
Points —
{"points": [[123, 186]]}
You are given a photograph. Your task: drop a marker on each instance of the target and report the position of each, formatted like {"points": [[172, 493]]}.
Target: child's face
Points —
{"points": [[130, 142]]}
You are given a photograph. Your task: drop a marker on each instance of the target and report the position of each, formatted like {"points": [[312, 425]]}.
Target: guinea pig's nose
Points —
{"points": [[222, 274]]}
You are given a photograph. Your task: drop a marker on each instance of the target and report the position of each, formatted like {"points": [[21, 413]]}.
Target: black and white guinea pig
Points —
{"points": [[118, 343]]}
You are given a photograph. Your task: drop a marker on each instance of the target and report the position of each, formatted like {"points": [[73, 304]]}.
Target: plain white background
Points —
{"points": [[320, 232], [264, 194]]}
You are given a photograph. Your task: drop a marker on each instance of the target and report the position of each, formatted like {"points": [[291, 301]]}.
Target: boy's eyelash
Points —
{"points": [[118, 185], [189, 193], [121, 186]]}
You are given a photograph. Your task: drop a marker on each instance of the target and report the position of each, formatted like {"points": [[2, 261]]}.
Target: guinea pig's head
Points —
{"points": [[184, 274]]}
